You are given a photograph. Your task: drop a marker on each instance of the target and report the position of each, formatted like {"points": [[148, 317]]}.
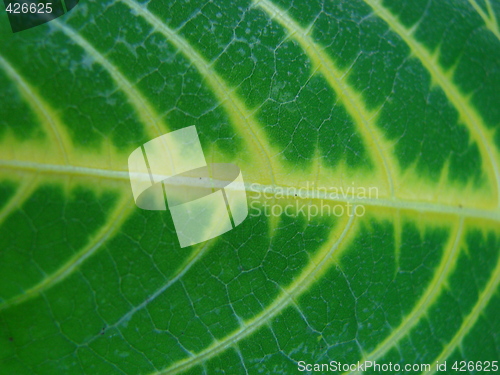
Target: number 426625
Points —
{"points": [[475, 366], [19, 8]]}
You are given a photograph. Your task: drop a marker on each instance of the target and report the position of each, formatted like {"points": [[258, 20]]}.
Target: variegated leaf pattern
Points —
{"points": [[401, 96]]}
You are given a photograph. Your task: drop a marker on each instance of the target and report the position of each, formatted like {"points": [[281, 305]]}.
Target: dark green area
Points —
{"points": [[473, 269], [7, 190], [70, 4], [464, 43], [135, 305], [21, 122], [168, 81], [415, 115], [42, 235], [90, 112], [237, 276]]}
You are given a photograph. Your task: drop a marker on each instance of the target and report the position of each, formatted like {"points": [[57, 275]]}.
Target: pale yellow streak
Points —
{"points": [[352, 101], [430, 295], [48, 118], [316, 267], [113, 224], [397, 204], [241, 117], [470, 320], [472, 119], [23, 192], [186, 265], [489, 20], [492, 13], [146, 113]]}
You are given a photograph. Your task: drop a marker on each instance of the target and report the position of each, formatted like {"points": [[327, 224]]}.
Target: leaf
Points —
{"points": [[388, 107]]}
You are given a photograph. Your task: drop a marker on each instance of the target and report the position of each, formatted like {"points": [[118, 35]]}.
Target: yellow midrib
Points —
{"points": [[494, 215], [398, 204]]}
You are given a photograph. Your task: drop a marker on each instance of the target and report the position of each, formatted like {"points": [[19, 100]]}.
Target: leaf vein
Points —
{"points": [[241, 117], [471, 319], [115, 220], [427, 299], [336, 79], [471, 118], [316, 266], [45, 114], [141, 105]]}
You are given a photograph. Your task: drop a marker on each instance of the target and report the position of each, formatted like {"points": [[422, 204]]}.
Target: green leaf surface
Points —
{"points": [[400, 97]]}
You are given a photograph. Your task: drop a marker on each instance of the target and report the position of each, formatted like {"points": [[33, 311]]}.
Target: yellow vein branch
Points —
{"points": [[23, 192], [470, 320], [428, 298], [490, 21], [472, 119], [114, 222], [241, 117], [47, 116], [142, 107], [319, 264], [351, 100]]}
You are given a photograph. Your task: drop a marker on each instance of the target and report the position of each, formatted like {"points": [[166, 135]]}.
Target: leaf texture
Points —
{"points": [[398, 96]]}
